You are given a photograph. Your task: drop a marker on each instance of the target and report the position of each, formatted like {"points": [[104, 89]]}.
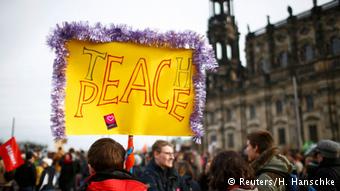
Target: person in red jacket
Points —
{"points": [[106, 165]]}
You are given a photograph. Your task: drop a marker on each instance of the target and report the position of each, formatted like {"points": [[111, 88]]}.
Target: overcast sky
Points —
{"points": [[26, 61]]}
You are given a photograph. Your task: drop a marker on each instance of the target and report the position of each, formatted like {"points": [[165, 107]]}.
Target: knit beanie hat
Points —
{"points": [[328, 148]]}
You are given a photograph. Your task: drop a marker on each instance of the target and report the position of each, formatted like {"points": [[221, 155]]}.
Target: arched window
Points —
{"points": [[279, 107], [310, 103], [313, 133], [231, 141], [217, 8], [283, 59], [282, 136], [229, 52], [309, 53], [213, 138], [264, 66], [335, 45], [229, 115], [219, 54], [226, 8]]}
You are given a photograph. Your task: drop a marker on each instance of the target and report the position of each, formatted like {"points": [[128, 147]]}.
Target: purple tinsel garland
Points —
{"points": [[203, 58]]}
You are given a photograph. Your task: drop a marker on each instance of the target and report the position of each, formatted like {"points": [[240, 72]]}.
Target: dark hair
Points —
{"points": [[105, 154], [228, 164], [262, 139], [159, 144], [184, 168], [189, 156], [29, 155], [71, 150]]}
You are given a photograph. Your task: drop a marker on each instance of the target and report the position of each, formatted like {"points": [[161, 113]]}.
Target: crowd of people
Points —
{"points": [[261, 166]]}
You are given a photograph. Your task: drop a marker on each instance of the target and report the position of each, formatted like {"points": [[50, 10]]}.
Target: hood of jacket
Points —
{"points": [[117, 185], [114, 181], [270, 159]]}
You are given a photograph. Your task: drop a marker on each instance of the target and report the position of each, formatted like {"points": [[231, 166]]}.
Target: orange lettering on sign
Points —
{"points": [[139, 82], [141, 71], [85, 85], [107, 82]]}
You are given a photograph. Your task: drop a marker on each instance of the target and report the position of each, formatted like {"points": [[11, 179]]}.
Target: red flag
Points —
{"points": [[11, 155], [130, 157]]}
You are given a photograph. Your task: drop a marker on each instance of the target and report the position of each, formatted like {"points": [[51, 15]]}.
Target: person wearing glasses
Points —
{"points": [[160, 174]]}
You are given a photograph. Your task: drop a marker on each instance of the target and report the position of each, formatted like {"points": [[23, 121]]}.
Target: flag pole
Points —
{"points": [[13, 125]]}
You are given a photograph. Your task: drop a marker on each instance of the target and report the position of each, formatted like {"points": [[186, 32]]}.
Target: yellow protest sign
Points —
{"points": [[117, 80], [125, 88]]}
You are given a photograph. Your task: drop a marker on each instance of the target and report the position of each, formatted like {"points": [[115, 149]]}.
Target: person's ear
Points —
{"points": [[257, 149], [156, 154], [91, 170]]}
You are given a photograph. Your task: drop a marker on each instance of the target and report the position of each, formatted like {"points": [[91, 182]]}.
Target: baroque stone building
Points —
{"points": [[289, 86]]}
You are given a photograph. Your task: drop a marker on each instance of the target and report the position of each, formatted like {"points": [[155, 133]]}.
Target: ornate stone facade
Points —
{"points": [[290, 85]]}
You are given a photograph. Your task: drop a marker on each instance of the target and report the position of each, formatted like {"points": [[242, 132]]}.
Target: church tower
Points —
{"points": [[223, 35]]}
